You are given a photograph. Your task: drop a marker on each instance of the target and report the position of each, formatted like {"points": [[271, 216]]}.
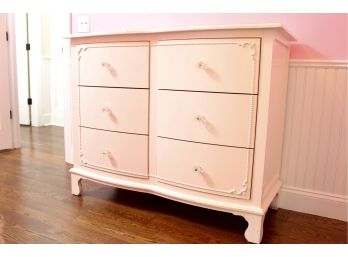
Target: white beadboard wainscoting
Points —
{"points": [[314, 165]]}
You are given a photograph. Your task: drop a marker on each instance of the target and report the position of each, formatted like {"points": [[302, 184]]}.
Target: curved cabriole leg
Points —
{"points": [[254, 231], [75, 184]]}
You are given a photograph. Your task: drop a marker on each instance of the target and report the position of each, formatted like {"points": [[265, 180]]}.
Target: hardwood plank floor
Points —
{"points": [[37, 207]]}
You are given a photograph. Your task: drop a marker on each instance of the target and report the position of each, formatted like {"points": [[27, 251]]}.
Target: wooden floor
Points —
{"points": [[37, 207]]}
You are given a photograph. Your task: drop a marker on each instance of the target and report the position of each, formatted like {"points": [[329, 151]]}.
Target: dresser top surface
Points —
{"points": [[264, 26]]}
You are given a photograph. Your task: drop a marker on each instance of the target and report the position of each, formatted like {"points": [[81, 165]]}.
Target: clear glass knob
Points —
{"points": [[106, 152], [198, 169], [202, 65], [106, 109], [200, 118]]}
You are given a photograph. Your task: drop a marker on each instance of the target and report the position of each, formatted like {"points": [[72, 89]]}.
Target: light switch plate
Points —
{"points": [[83, 24]]}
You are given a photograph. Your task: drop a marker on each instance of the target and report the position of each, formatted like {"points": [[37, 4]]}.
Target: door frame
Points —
{"points": [[68, 127], [16, 137]]}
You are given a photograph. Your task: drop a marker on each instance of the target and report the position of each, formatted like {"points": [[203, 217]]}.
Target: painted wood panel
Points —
{"points": [[216, 169], [216, 65], [315, 143], [5, 105], [115, 65], [116, 109], [223, 119], [114, 152]]}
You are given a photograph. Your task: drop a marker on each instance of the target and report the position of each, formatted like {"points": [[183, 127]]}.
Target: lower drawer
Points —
{"points": [[115, 152], [216, 169]]}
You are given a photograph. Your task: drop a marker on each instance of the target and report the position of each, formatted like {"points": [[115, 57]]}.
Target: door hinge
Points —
{"points": [[30, 101], [6, 36], [27, 46], [11, 114]]}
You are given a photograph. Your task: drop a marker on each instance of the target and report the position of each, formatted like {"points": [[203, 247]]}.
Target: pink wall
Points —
{"points": [[319, 36]]}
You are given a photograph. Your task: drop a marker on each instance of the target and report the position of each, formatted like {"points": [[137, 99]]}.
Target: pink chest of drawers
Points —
{"points": [[193, 115]]}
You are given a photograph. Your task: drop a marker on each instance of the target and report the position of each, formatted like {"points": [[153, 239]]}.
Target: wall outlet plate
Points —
{"points": [[83, 24]]}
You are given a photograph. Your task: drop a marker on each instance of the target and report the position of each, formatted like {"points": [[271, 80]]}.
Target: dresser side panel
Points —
{"points": [[74, 75], [276, 116], [261, 118]]}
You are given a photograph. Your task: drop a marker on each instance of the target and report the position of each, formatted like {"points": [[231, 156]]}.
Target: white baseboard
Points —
{"points": [[57, 120], [49, 119], [313, 202], [23, 116], [45, 119]]}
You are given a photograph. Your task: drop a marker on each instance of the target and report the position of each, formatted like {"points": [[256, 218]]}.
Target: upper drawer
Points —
{"points": [[117, 109], [223, 119], [114, 65], [215, 65]]}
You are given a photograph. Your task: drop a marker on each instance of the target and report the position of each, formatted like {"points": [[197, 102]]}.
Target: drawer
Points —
{"points": [[223, 119], [219, 169], [115, 65], [116, 109], [215, 65], [115, 152]]}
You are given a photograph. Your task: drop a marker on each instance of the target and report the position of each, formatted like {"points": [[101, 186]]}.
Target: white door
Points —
{"points": [[5, 106]]}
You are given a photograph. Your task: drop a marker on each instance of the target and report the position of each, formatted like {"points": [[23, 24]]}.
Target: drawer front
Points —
{"points": [[115, 152], [216, 65], [219, 169], [116, 109], [223, 119], [118, 65]]}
